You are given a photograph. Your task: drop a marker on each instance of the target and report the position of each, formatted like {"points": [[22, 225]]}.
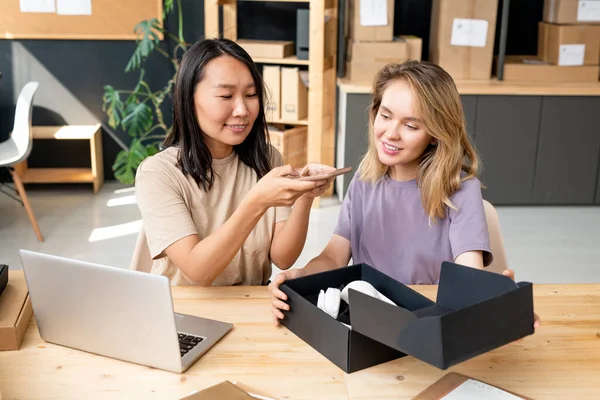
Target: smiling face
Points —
{"points": [[226, 104], [399, 133]]}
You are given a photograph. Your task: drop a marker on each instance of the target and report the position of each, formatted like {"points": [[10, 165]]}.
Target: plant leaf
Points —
{"points": [[147, 39], [168, 7], [127, 161], [138, 119], [113, 106]]}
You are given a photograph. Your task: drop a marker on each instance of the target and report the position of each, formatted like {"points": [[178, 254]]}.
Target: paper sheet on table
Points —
{"points": [[74, 7], [373, 12], [41, 6], [472, 389]]}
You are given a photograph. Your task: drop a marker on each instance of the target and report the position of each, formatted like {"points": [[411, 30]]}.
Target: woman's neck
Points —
{"points": [[403, 173]]}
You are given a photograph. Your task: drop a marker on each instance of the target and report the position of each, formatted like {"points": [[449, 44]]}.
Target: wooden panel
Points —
{"points": [[567, 163], [211, 19], [110, 20], [65, 132], [289, 122], [560, 361], [494, 86], [57, 175], [506, 133], [230, 21], [293, 60]]}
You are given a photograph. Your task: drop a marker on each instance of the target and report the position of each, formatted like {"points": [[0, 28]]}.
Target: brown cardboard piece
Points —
{"points": [[272, 80], [222, 391], [568, 12], [451, 381], [552, 37], [294, 95], [466, 58], [367, 58], [268, 48], [291, 143], [532, 69], [361, 33], [15, 311]]}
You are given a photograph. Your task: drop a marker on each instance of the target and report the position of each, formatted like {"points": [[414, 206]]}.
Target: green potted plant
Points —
{"points": [[138, 111]]}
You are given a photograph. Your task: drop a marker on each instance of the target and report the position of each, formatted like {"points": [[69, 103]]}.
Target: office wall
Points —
{"points": [[72, 73]]}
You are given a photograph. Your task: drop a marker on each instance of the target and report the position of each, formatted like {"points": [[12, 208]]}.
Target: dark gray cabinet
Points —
{"points": [[567, 157], [506, 137], [534, 149], [470, 109], [598, 185]]}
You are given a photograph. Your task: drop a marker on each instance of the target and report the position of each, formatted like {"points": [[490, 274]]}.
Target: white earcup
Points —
{"points": [[329, 301], [366, 288]]}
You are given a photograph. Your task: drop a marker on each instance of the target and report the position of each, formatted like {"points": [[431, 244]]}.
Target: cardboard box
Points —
{"points": [[3, 277], [224, 390], [371, 24], [532, 69], [398, 50], [15, 311], [476, 311], [569, 44], [268, 48], [291, 143], [367, 58], [462, 37], [294, 95], [272, 79], [571, 11]]}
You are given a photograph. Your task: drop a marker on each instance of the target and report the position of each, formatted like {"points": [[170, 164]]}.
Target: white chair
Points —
{"points": [[18, 147], [496, 242]]}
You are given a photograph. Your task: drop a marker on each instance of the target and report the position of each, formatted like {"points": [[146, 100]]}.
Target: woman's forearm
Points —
{"points": [[289, 241]]}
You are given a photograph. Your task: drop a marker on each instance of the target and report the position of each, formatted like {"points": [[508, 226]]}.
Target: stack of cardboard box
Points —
{"points": [[462, 37], [286, 103], [372, 44], [568, 45]]}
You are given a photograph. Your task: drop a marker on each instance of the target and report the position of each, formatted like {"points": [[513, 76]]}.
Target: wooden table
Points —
{"points": [[562, 359]]}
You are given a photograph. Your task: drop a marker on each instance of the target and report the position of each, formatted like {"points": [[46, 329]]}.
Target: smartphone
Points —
{"points": [[322, 177]]}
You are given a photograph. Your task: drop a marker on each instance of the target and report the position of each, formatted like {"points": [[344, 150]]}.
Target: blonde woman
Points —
{"points": [[415, 200]]}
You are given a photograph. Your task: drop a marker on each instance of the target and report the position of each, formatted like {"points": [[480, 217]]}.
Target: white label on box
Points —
{"points": [[373, 12], [74, 7], [469, 32], [588, 10], [472, 389], [37, 6], [571, 54]]}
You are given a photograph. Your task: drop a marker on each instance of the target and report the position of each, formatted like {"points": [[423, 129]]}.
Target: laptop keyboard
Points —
{"points": [[187, 343]]}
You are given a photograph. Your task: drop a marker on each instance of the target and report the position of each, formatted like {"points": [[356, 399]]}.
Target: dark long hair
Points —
{"points": [[194, 157]]}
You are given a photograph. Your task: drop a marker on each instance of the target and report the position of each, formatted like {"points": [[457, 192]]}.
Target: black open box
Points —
{"points": [[476, 311]]}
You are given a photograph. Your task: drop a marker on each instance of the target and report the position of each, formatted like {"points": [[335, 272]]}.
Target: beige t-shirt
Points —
{"points": [[173, 207]]}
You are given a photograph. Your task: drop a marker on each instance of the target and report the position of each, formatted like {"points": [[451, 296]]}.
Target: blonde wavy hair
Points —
{"points": [[439, 106]]}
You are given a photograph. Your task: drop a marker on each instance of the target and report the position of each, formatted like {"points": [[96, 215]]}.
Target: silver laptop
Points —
{"points": [[115, 312]]}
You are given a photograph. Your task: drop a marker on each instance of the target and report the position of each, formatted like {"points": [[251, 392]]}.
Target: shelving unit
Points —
{"points": [[321, 69]]}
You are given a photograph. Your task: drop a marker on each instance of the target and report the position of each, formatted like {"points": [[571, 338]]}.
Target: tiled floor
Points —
{"points": [[543, 244]]}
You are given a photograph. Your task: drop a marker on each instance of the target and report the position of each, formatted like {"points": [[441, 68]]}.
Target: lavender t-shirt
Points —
{"points": [[389, 230]]}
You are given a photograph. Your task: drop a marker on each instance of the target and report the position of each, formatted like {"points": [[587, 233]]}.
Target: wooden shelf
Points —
{"points": [[323, 20], [280, 1], [496, 87], [288, 122], [58, 175], [292, 60]]}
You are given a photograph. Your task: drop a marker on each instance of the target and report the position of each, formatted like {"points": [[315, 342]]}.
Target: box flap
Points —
{"points": [[397, 327], [462, 286], [12, 299]]}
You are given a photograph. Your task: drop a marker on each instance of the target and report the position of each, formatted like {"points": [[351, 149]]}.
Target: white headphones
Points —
{"points": [[329, 300]]}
